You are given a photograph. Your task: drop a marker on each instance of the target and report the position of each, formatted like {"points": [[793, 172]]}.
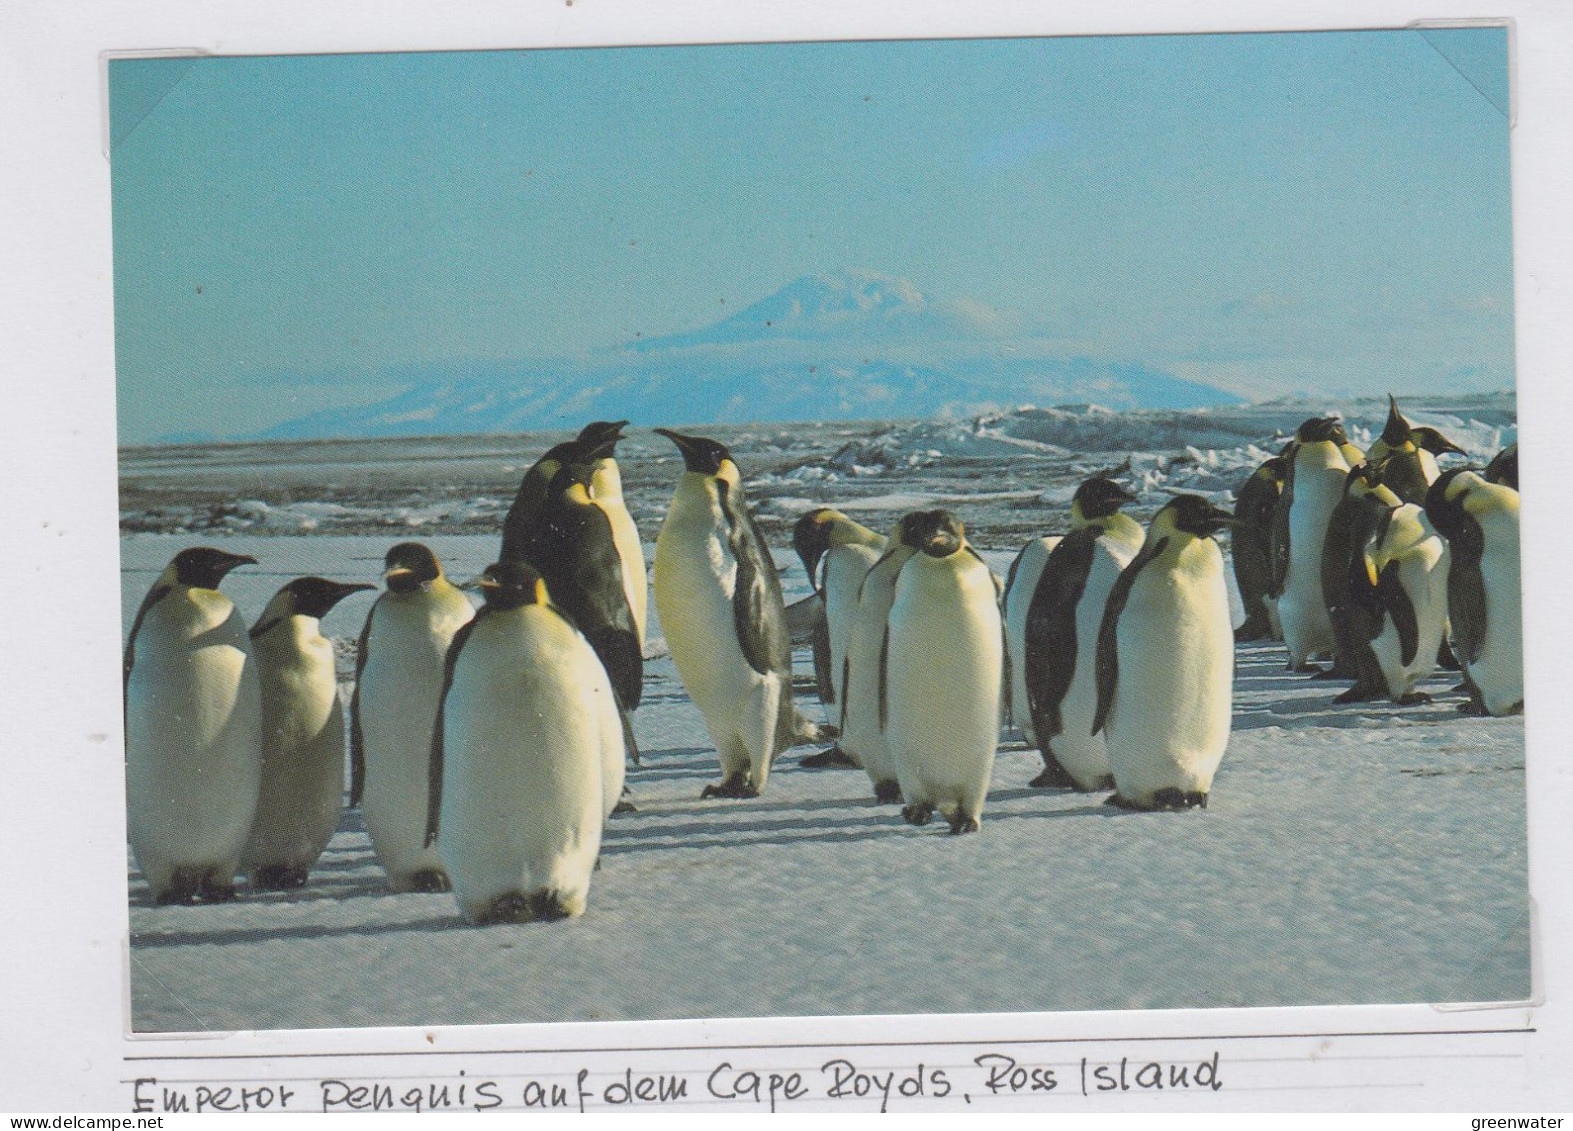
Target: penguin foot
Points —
{"points": [[548, 906], [1334, 672], [1306, 668], [1054, 775], [1179, 799], [1473, 706], [737, 786], [833, 758], [515, 907], [215, 891], [183, 886], [887, 792], [1361, 693], [428, 881], [962, 823], [1120, 802], [624, 807], [278, 877], [918, 814], [1412, 699]]}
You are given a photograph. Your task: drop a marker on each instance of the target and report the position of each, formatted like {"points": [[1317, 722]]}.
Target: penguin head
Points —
{"points": [[811, 537], [512, 585], [410, 566], [938, 533], [1275, 470], [1099, 497], [1396, 432], [572, 484], [1322, 429], [203, 567], [599, 432], [1192, 514], [1429, 439], [314, 596], [703, 456]]}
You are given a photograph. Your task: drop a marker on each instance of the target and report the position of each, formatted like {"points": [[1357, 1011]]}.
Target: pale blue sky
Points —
{"points": [[1258, 212]]}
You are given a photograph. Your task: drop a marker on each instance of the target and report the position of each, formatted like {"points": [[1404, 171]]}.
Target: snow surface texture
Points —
{"points": [[1353, 854]]}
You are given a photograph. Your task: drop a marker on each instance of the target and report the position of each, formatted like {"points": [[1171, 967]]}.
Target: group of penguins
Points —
{"points": [[488, 748]]}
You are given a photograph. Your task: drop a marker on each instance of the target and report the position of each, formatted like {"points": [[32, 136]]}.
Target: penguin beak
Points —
{"points": [[684, 443], [1123, 495], [398, 573]]}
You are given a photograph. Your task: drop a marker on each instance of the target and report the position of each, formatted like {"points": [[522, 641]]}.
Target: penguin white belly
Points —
{"points": [[1084, 755], [863, 736], [1170, 719], [1302, 610], [1018, 598], [401, 686], [1498, 669], [944, 667], [302, 748], [526, 729], [845, 569], [630, 551], [193, 740], [695, 578], [1423, 564]]}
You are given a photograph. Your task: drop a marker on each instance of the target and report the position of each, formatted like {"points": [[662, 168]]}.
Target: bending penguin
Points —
{"points": [[941, 671], [864, 707], [1351, 583], [398, 684], [1313, 488], [1412, 563], [1480, 522], [719, 599], [302, 734], [1166, 662], [848, 551], [1063, 622], [1250, 548], [193, 718], [526, 756]]}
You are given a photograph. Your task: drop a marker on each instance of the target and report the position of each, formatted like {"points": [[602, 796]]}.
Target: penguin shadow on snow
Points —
{"points": [[158, 940]]}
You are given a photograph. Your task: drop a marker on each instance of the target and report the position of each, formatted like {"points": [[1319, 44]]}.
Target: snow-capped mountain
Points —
{"points": [[843, 346]]}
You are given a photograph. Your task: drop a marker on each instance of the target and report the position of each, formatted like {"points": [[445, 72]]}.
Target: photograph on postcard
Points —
{"points": [[900, 527]]}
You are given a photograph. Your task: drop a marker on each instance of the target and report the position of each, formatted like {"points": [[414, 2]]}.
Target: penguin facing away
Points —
{"points": [[864, 705], [719, 599], [848, 551], [1313, 488], [302, 734], [1020, 583], [398, 684], [1250, 548], [1166, 662], [943, 665], [526, 756], [1412, 563], [193, 708], [1484, 600], [1063, 622]]}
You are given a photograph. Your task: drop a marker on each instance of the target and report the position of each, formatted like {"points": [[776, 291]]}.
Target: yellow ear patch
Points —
{"points": [[729, 473], [578, 495], [1370, 571], [541, 597]]}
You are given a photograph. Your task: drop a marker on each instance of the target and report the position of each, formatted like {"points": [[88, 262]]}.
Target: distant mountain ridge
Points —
{"points": [[840, 346]]}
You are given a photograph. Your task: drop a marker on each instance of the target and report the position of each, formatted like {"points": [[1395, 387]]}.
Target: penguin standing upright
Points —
{"points": [[1314, 486], [718, 595], [864, 705], [1350, 580], [302, 734], [1250, 547], [1021, 582], [1484, 601], [526, 756], [1063, 622], [848, 550], [1412, 564], [942, 671], [193, 717], [1406, 455], [1166, 662], [398, 684]]}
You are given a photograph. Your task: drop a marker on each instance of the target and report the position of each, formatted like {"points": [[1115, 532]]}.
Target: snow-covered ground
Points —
{"points": [[1349, 854]]}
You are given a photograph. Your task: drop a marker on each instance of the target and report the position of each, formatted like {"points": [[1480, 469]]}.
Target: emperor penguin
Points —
{"points": [[848, 550], [1350, 580], [398, 684], [1503, 468], [526, 756], [864, 704], [1480, 522], [942, 671], [193, 718], [1250, 548], [1063, 622], [1314, 485], [1412, 564], [302, 734], [1166, 662], [1406, 455], [1021, 581], [718, 595]]}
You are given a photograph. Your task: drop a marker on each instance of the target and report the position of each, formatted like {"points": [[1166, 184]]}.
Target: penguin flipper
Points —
{"points": [[1278, 535], [434, 769], [1395, 600], [618, 650], [1050, 662], [758, 610], [357, 736], [823, 678], [1108, 659], [884, 679], [154, 596], [1466, 609]]}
